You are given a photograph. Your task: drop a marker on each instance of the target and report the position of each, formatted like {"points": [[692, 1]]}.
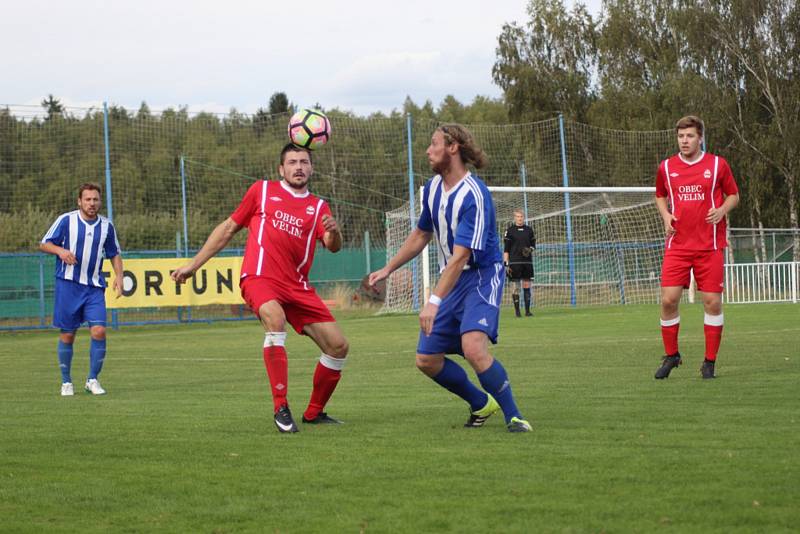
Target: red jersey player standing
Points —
{"points": [[284, 221], [694, 192]]}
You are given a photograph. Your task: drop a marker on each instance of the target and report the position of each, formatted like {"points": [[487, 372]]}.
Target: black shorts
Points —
{"points": [[521, 271]]}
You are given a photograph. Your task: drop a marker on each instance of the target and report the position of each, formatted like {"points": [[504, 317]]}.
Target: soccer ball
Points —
{"points": [[309, 128]]}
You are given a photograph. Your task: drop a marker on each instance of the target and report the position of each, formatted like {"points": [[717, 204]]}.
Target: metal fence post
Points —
{"points": [[185, 228], [411, 211], [109, 195], [41, 291], [570, 244]]}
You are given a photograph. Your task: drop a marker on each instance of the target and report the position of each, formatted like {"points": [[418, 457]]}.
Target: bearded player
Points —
{"points": [[695, 190], [284, 222]]}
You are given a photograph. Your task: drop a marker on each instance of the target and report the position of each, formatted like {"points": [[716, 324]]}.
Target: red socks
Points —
{"points": [[278, 372], [326, 376], [712, 328], [669, 334], [277, 366]]}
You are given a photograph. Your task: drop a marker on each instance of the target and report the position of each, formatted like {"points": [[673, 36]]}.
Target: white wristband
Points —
{"points": [[435, 300]]}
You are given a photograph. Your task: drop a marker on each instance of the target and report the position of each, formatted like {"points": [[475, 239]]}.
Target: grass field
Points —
{"points": [[184, 440]]}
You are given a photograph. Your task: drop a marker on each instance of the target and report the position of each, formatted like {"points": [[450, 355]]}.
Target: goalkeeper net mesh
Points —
{"points": [[594, 246]]}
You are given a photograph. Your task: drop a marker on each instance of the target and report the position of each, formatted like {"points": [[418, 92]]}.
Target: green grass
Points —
{"points": [[184, 440]]}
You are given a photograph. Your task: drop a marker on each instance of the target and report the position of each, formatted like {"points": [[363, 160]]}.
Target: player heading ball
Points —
{"points": [[284, 222]]}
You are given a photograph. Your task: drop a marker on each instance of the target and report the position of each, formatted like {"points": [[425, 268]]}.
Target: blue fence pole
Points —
{"points": [[185, 226], [185, 213], [109, 195], [41, 291], [412, 212], [178, 254], [570, 243]]}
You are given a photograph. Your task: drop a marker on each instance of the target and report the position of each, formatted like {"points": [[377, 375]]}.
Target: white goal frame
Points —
{"points": [[426, 278]]}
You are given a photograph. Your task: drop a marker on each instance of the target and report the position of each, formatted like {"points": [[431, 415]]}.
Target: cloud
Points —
{"points": [[382, 81]]}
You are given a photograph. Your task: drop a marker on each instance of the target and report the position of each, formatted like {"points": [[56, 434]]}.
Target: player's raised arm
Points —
{"points": [[411, 248], [217, 240]]}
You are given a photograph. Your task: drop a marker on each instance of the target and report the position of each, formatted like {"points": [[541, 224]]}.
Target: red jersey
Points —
{"points": [[283, 229], [693, 189]]}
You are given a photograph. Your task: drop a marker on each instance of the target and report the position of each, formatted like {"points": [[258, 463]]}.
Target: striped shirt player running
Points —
{"points": [[80, 240], [284, 222], [463, 312], [694, 192]]}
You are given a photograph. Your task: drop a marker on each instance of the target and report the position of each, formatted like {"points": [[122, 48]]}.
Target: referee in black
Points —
{"points": [[519, 242]]}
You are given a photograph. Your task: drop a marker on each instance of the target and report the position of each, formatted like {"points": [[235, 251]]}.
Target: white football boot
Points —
{"points": [[67, 390], [93, 386]]}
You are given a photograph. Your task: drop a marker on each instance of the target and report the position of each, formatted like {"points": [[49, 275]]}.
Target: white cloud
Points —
{"points": [[361, 55]]}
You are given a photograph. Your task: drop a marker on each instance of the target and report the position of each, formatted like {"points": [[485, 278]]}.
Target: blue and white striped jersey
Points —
{"points": [[89, 241], [464, 216]]}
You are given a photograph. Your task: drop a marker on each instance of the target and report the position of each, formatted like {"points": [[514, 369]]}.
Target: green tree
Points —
{"points": [[53, 107], [547, 66], [279, 103], [754, 55]]}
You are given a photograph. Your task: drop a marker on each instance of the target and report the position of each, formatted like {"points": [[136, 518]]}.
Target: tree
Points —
{"points": [[278, 103], [53, 107], [646, 76], [144, 111], [548, 67], [756, 59]]}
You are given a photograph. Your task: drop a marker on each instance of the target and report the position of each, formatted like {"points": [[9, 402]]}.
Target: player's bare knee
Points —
{"points": [[669, 304], [479, 359], [428, 364], [67, 337], [272, 317], [98, 332], [668, 309], [339, 348], [712, 306]]}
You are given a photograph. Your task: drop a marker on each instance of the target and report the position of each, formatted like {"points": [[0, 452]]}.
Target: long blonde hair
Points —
{"points": [[471, 153]]}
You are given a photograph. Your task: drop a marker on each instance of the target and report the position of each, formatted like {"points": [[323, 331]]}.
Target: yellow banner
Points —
{"points": [[147, 283]]}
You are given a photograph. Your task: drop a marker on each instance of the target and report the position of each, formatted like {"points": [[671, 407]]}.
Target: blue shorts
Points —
{"points": [[78, 303], [473, 304]]}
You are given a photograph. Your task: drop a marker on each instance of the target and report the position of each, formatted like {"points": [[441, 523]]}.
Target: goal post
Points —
{"points": [[595, 246]]}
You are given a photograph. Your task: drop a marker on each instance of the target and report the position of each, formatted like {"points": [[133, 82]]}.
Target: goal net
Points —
{"points": [[594, 246]]}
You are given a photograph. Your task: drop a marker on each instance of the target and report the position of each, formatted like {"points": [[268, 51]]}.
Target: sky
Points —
{"points": [[356, 55]]}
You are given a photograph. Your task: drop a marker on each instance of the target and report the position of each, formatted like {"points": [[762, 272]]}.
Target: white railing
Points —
{"points": [[761, 282]]}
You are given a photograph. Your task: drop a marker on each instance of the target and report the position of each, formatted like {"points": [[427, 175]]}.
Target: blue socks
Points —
{"points": [[65, 361], [495, 381], [453, 378], [97, 353]]}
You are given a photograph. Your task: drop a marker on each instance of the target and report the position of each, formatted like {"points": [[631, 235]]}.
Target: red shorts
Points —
{"points": [[302, 306], [708, 267]]}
